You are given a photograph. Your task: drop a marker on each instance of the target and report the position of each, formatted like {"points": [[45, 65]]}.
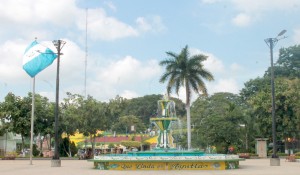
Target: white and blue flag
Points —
{"points": [[36, 58]]}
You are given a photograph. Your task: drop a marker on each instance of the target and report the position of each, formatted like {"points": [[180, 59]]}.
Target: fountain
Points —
{"points": [[166, 115], [165, 156]]}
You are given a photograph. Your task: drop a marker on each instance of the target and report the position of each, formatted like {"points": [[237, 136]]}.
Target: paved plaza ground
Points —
{"points": [[83, 167]]}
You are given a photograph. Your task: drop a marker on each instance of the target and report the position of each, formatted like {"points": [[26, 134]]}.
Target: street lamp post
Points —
{"points": [[5, 142], [271, 42], [55, 160]]}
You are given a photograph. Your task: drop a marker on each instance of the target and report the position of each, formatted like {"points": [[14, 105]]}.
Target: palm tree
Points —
{"points": [[185, 71]]}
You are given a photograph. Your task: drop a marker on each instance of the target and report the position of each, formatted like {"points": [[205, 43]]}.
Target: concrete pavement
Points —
{"points": [[83, 167]]}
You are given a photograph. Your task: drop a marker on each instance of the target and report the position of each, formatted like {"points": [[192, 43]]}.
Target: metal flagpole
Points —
{"points": [[32, 118]]}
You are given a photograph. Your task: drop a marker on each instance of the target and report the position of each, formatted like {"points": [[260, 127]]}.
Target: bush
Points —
{"points": [[64, 147], [35, 151]]}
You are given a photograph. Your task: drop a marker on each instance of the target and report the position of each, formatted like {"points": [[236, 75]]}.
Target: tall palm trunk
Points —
{"points": [[188, 114], [188, 121]]}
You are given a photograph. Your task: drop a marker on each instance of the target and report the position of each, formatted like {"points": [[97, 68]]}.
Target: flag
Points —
{"points": [[36, 58]]}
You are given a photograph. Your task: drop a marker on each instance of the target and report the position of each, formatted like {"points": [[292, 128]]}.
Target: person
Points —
{"points": [[230, 150]]}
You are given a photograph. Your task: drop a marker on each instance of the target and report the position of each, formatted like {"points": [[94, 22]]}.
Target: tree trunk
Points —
{"points": [[188, 115], [41, 145], [93, 144], [70, 153], [22, 142], [188, 118], [92, 138]]}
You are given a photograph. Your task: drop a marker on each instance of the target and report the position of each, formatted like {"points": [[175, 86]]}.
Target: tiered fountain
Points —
{"points": [[165, 156]]}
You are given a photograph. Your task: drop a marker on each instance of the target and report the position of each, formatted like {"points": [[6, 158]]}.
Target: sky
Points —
{"points": [[123, 42]]}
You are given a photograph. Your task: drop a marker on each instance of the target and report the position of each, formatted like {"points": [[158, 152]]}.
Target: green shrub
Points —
{"points": [[64, 147], [35, 151]]}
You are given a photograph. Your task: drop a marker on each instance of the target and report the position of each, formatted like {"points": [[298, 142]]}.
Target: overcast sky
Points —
{"points": [[126, 39]]}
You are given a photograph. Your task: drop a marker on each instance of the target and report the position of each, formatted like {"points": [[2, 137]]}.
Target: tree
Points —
{"points": [[183, 70], [253, 86], [288, 63], [17, 113], [143, 107], [43, 118], [94, 117], [146, 107], [70, 116], [116, 108], [123, 125], [287, 99], [217, 120]]}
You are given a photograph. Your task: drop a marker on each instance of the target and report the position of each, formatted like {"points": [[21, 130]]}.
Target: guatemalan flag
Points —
{"points": [[36, 58]]}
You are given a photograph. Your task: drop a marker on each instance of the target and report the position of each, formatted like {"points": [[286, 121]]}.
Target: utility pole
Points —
{"points": [[59, 44], [271, 42]]}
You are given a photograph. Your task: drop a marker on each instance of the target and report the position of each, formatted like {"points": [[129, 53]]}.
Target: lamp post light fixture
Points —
{"points": [[271, 42], [59, 44]]}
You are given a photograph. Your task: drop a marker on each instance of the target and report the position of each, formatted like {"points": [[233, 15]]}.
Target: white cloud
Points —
{"points": [[35, 12], [181, 95], [101, 26], [212, 63], [224, 85], [250, 11], [42, 18], [242, 20], [123, 77], [220, 85], [11, 61], [129, 70], [150, 23], [235, 67], [111, 5], [129, 94], [143, 24], [250, 6]]}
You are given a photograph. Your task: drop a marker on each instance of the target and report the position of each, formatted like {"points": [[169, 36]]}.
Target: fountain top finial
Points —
{"points": [[166, 96]]}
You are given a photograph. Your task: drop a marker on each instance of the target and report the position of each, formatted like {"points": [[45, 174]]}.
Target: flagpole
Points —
{"points": [[32, 117]]}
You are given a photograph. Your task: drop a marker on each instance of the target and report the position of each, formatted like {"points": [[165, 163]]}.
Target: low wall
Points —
{"points": [[219, 162]]}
